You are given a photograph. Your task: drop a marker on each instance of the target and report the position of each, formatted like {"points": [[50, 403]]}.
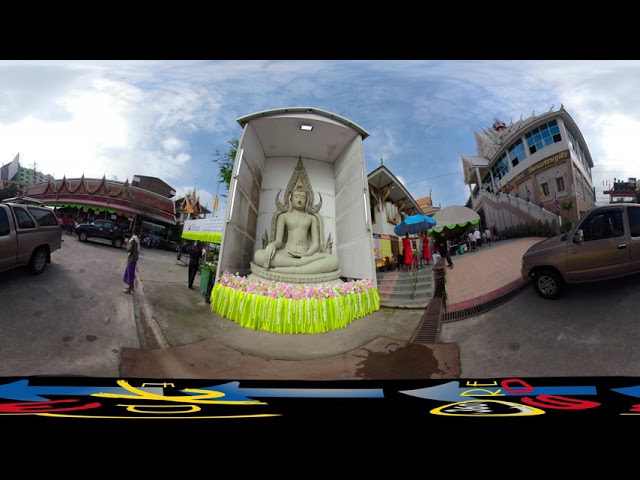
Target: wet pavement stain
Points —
{"points": [[91, 338], [397, 361]]}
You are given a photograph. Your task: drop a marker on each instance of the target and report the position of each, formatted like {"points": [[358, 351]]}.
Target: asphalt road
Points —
{"points": [[72, 319], [593, 330]]}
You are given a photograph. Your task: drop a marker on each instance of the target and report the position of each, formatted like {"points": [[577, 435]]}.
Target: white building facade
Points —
{"points": [[537, 168]]}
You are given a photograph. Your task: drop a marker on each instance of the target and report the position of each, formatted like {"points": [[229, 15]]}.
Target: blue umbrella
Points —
{"points": [[414, 224]]}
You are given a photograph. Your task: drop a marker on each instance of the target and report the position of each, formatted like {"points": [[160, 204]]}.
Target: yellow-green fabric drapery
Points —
{"points": [[208, 237], [286, 315]]}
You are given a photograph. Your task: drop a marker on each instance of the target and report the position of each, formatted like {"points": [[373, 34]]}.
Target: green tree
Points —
{"points": [[567, 205], [9, 192], [225, 162]]}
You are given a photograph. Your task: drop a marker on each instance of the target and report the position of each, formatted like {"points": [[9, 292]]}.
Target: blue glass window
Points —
{"points": [[542, 136], [517, 153], [500, 168]]}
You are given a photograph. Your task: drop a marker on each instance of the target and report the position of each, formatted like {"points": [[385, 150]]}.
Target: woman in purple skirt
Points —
{"points": [[133, 248]]}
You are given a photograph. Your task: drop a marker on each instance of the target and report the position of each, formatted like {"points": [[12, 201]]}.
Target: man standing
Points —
{"points": [[194, 261], [478, 237]]}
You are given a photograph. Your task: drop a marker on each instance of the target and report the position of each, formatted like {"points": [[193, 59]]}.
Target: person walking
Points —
{"points": [[133, 251], [472, 242], [195, 253], [478, 237], [444, 248], [407, 251]]}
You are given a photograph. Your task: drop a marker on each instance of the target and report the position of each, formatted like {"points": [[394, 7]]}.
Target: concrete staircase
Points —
{"points": [[400, 289]]}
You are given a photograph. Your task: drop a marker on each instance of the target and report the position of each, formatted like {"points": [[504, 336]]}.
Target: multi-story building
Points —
{"points": [[13, 173], [623, 192], [537, 168], [390, 203], [153, 184]]}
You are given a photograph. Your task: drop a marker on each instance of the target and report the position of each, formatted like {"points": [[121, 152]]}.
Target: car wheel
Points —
{"points": [[548, 284], [38, 261], [117, 243], [83, 236]]}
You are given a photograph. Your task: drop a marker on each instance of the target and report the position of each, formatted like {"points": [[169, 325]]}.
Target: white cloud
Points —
{"points": [[172, 144]]}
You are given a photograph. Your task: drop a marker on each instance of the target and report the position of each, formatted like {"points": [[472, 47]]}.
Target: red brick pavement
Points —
{"points": [[490, 272]]}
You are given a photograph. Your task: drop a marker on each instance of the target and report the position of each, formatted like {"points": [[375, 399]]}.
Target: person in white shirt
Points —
{"points": [[472, 242], [478, 237], [488, 234]]}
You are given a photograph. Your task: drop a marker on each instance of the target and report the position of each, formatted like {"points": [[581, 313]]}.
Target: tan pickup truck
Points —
{"points": [[605, 244], [29, 233]]}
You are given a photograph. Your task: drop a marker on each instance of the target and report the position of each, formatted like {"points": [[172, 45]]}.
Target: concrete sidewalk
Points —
{"points": [[184, 339]]}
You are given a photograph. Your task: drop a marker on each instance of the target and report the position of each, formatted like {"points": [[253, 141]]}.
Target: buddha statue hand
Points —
{"points": [[269, 252]]}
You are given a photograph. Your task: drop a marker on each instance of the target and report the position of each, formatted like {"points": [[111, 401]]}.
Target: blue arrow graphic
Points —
{"points": [[631, 391], [233, 392], [21, 391], [452, 392]]}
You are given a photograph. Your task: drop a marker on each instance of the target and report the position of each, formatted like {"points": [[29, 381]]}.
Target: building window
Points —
{"points": [[542, 136], [500, 168], [560, 184], [373, 203], [517, 153], [545, 189], [393, 214]]}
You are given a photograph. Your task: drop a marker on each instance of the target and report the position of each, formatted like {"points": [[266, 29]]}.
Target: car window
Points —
{"points": [[45, 218], [24, 220], [603, 225], [4, 223], [98, 224], [633, 214]]}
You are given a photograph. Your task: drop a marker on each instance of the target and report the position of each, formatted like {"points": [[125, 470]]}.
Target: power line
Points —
{"points": [[428, 178]]}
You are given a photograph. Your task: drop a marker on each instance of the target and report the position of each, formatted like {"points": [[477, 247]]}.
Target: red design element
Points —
{"points": [[44, 407], [560, 403]]}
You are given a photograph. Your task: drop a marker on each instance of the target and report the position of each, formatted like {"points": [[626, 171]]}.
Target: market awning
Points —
{"points": [[154, 227]]}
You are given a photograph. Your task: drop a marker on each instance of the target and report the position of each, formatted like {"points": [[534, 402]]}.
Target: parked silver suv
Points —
{"points": [[29, 233], [604, 244]]}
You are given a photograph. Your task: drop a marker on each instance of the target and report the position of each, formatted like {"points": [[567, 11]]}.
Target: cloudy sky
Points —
{"points": [[168, 118]]}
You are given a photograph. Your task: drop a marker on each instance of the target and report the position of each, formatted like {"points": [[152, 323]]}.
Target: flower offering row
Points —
{"points": [[279, 307]]}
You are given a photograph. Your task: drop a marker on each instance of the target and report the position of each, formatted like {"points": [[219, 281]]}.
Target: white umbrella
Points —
{"points": [[454, 220]]}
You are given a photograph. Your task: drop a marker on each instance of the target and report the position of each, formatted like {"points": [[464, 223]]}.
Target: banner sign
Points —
{"points": [[204, 229], [386, 246], [377, 247]]}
